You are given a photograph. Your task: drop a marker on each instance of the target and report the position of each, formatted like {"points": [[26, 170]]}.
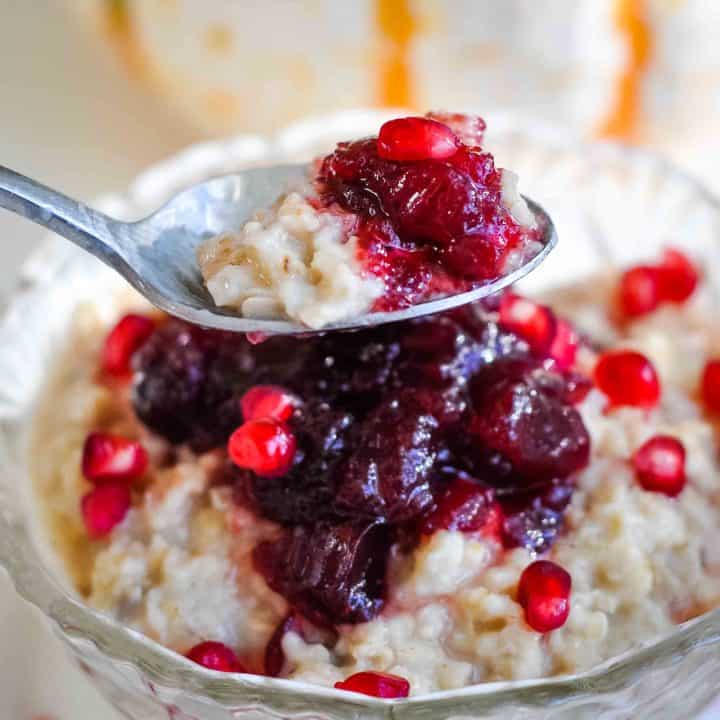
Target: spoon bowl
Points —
{"points": [[157, 255]]}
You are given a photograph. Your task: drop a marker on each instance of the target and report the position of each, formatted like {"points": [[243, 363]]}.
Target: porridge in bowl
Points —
{"points": [[508, 491], [416, 213]]}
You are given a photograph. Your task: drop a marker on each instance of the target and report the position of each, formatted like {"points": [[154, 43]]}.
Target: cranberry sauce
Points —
{"points": [[431, 214], [387, 434]]}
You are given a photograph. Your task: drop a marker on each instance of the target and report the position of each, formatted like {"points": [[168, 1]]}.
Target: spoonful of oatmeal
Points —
{"points": [[414, 221]]}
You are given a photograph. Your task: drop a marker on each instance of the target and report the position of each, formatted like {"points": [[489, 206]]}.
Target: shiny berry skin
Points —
{"points": [[660, 465], [639, 292], [112, 457], [677, 276], [467, 506], [215, 656], [416, 138], [104, 507], [544, 593], [533, 322], [265, 446], [710, 386], [627, 378], [267, 401], [123, 341], [376, 684]]}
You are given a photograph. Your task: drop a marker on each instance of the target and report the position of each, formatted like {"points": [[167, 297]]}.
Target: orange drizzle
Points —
{"points": [[631, 21], [396, 27], [122, 31]]}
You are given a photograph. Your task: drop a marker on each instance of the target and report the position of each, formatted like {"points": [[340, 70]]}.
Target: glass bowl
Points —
{"points": [[611, 205]]}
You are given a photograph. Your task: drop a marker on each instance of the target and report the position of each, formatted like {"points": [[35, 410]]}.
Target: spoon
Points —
{"points": [[156, 255]]}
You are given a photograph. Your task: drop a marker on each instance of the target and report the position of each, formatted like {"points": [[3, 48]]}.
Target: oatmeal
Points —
{"points": [[503, 492], [418, 212]]}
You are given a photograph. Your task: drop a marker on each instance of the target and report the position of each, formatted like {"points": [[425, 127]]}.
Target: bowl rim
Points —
{"points": [[36, 584]]}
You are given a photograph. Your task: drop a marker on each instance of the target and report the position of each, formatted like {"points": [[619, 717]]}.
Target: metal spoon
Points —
{"points": [[156, 255]]}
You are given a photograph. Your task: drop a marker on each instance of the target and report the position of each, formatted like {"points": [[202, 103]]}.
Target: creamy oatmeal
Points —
{"points": [[363, 235], [274, 545]]}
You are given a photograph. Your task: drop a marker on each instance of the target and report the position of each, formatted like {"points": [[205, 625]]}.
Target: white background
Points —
{"points": [[71, 118]]}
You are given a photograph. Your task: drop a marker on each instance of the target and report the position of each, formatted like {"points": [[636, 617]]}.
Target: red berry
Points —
{"points": [[544, 593], [639, 291], [215, 656], [416, 138], [104, 507], [466, 506], [677, 276], [565, 345], [376, 684], [627, 378], [534, 323], [264, 446], [111, 457], [122, 342], [267, 401], [660, 465], [710, 386]]}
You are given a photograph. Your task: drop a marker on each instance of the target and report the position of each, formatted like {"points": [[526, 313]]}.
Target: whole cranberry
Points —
{"points": [[660, 465], [627, 378], [215, 656], [544, 593], [375, 684]]}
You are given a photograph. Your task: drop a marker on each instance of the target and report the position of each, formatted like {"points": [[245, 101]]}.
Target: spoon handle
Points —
{"points": [[91, 230]]}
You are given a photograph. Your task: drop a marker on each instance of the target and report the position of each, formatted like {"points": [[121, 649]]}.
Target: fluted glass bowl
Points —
{"points": [[611, 205]]}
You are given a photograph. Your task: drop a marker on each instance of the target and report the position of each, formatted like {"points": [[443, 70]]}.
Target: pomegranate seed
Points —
{"points": [[677, 276], [255, 338], [468, 507], [639, 292], [122, 342], [267, 401], [104, 507], [111, 457], [565, 345], [376, 684], [416, 138], [627, 378], [215, 656], [264, 446], [544, 593], [660, 465], [534, 323], [710, 386]]}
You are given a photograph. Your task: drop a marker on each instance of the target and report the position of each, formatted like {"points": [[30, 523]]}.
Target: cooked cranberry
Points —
{"points": [[111, 457], [267, 401], [470, 129], [677, 276], [565, 345], [533, 322], [267, 447], [544, 593], [710, 386], [660, 465], [533, 428], [467, 506], [332, 574], [215, 656], [104, 507], [627, 378], [376, 684], [388, 473], [123, 341], [639, 291], [533, 519], [416, 138]]}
